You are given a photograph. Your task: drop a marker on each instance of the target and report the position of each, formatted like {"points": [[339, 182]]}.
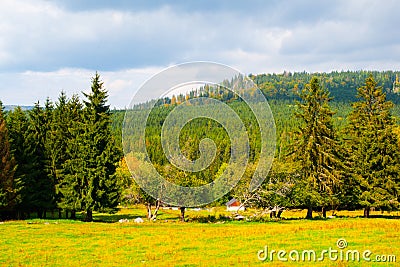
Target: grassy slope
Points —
{"points": [[74, 243]]}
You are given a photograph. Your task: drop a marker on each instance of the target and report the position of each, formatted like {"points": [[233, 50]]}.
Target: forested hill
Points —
{"points": [[285, 86], [280, 90], [342, 85]]}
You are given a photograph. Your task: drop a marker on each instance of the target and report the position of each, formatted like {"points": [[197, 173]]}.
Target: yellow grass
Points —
{"points": [[168, 242]]}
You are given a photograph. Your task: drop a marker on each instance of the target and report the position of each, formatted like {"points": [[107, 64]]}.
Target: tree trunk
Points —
{"points": [[182, 214], [59, 213], [279, 213], [149, 210], [309, 213], [73, 215], [153, 215], [89, 216], [366, 212], [324, 212], [158, 204]]}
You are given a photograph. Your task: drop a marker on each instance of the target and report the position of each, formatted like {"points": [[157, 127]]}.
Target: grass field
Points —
{"points": [[168, 242]]}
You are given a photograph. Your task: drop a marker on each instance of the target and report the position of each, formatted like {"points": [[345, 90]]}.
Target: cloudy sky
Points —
{"points": [[51, 45]]}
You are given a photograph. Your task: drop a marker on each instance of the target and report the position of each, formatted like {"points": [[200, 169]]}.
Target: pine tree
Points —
{"points": [[373, 149], [35, 191], [41, 189], [17, 121], [7, 169], [91, 184], [316, 148], [69, 186], [56, 145]]}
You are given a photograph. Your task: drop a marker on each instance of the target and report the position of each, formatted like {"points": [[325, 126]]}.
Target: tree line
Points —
{"points": [[330, 155], [331, 168], [325, 159], [341, 85], [62, 156]]}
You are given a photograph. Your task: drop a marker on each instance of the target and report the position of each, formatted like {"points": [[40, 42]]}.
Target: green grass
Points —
{"points": [[168, 242]]}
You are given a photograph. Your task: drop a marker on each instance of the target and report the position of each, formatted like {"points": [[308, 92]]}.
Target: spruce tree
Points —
{"points": [[41, 189], [373, 148], [7, 169], [91, 184], [35, 191], [316, 148], [71, 167], [56, 145], [18, 129]]}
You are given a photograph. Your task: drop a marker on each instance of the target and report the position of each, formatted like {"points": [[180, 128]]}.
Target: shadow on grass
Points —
{"points": [[383, 216], [97, 217], [128, 213], [210, 219], [112, 218]]}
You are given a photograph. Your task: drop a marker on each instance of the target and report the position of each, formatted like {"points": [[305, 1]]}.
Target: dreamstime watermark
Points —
{"points": [[188, 80], [341, 253]]}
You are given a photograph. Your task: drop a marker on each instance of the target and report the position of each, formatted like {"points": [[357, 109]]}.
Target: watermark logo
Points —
{"points": [[187, 80], [341, 243], [332, 254]]}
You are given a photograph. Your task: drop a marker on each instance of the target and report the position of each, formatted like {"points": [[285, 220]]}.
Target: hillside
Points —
{"points": [[342, 85]]}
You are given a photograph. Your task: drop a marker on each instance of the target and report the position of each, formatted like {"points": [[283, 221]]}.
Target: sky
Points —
{"points": [[51, 45]]}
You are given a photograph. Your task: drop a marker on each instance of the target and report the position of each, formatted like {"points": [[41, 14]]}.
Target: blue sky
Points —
{"points": [[48, 46]]}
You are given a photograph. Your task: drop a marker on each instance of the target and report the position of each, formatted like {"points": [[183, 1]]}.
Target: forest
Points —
{"points": [[337, 143], [62, 156]]}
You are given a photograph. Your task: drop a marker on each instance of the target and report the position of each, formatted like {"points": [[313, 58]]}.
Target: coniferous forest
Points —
{"points": [[337, 148], [61, 156]]}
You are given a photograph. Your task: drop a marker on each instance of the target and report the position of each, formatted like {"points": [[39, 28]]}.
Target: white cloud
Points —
{"points": [[46, 46], [29, 87]]}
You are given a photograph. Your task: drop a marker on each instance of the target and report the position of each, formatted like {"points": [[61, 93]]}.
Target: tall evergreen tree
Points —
{"points": [[35, 191], [91, 183], [18, 129], [68, 186], [7, 168], [41, 191], [373, 149], [57, 139], [316, 148]]}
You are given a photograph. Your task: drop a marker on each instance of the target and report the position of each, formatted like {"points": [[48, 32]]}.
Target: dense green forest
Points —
{"points": [[61, 156], [341, 85], [337, 141], [284, 94]]}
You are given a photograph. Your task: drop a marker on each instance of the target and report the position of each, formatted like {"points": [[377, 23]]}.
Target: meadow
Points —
{"points": [[209, 238]]}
